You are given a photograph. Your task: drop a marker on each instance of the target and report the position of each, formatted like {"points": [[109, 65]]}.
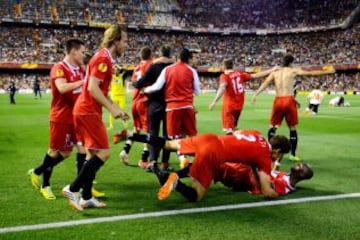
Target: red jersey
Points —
{"points": [[100, 66], [62, 103], [181, 84], [138, 73], [248, 147], [281, 182], [234, 94]]}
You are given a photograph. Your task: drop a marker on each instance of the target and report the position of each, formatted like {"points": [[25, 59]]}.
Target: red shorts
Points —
{"points": [[62, 136], [139, 112], [284, 107], [239, 177], [207, 157], [181, 122], [92, 130], [230, 118]]}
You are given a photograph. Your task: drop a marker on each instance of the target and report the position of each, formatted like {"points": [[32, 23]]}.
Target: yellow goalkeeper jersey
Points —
{"points": [[118, 85]]}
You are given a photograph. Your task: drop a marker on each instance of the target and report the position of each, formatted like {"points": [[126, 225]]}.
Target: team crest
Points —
{"points": [[102, 67], [59, 73]]}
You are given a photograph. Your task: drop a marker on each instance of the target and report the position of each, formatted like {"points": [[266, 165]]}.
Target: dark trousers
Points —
{"points": [[12, 98], [157, 118]]}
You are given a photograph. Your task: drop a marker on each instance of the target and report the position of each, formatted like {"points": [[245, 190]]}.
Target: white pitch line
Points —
{"points": [[175, 212]]}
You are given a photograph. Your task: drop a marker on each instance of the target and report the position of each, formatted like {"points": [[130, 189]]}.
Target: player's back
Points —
{"points": [[284, 80]]}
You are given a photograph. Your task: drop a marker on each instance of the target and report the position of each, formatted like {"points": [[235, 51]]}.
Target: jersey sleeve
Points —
{"points": [[245, 77], [223, 79], [57, 72], [100, 68]]}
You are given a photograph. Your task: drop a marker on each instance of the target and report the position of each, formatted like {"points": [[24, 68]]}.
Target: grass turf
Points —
{"points": [[329, 142]]}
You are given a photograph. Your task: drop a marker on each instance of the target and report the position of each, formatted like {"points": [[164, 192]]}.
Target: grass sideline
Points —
{"points": [[329, 142]]}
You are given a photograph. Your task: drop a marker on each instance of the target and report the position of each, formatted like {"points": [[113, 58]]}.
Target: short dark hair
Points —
{"points": [[228, 63], [185, 55], [165, 51], [87, 57], [280, 142], [288, 59], [73, 44], [302, 173], [145, 53]]}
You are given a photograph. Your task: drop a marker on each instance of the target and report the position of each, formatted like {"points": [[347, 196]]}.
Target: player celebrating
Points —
{"points": [[211, 151], [88, 117], [232, 87], [285, 104], [66, 79], [157, 104], [181, 83], [139, 109]]}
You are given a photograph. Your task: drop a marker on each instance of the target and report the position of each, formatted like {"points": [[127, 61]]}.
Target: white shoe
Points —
{"points": [[91, 203], [73, 197], [124, 157]]}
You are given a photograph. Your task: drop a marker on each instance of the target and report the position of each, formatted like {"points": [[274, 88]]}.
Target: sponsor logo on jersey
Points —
{"points": [[102, 67], [59, 73]]}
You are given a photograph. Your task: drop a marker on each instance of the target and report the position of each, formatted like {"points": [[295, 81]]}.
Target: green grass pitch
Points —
{"points": [[329, 142]]}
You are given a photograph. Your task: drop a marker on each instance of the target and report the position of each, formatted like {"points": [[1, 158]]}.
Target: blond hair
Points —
{"points": [[112, 34]]}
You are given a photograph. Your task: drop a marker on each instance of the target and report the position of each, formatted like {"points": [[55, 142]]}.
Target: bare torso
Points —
{"points": [[284, 80]]}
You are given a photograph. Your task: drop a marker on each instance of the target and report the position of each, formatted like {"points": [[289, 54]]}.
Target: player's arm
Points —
{"points": [[145, 79], [219, 94], [265, 184], [63, 86], [303, 72], [160, 82], [263, 73], [97, 94], [263, 86], [196, 83]]}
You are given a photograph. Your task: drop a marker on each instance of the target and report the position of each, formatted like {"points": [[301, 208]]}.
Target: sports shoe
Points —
{"points": [[121, 136], [73, 198], [294, 158], [184, 163], [97, 193], [143, 164], [47, 193], [91, 203], [34, 178], [169, 185], [124, 157]]}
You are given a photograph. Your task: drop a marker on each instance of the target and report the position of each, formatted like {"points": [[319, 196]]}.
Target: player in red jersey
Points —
{"points": [[240, 177], [66, 79], [211, 151], [181, 82], [139, 109], [232, 87], [285, 105], [88, 117]]}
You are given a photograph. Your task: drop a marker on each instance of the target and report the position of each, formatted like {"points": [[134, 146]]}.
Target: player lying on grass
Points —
{"points": [[210, 151], [240, 177]]}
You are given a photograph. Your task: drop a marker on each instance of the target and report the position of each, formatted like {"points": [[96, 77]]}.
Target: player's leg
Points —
{"points": [[124, 154], [95, 138]]}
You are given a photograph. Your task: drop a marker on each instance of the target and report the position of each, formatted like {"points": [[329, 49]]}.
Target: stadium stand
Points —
{"points": [[33, 32]]}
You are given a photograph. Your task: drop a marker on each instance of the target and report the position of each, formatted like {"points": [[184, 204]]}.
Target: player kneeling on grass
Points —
{"points": [[210, 151]]}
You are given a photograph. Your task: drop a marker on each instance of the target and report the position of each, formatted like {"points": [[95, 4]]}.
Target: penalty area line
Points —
{"points": [[175, 212]]}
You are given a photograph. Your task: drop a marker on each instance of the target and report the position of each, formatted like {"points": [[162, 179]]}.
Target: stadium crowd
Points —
{"points": [[246, 14], [45, 45]]}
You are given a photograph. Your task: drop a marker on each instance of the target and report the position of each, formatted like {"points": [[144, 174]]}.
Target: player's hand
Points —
{"points": [[253, 100], [122, 115], [275, 68], [211, 106]]}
